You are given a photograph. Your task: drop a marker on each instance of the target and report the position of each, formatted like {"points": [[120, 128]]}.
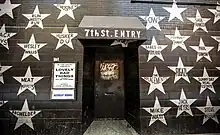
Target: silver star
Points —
{"points": [[24, 115], [66, 9], [202, 51], [217, 38], [154, 49], [65, 38], [7, 8], [155, 82], [183, 104], [152, 20], [216, 12], [122, 42], [4, 36], [31, 48], [199, 22], [209, 111], [36, 18], [2, 70], [178, 40], [206, 81], [181, 71], [157, 112], [27, 82], [175, 11], [3, 102]]}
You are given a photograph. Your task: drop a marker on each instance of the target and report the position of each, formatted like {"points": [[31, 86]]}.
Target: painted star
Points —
{"points": [[217, 38], [3, 102], [7, 8], [206, 81], [2, 70], [65, 37], [154, 49], [66, 9], [183, 104], [4, 36], [24, 115], [178, 40], [216, 12], [202, 51], [175, 11], [181, 71], [199, 22], [27, 82], [36, 18], [209, 111], [31, 48], [157, 112], [152, 20], [155, 82]]}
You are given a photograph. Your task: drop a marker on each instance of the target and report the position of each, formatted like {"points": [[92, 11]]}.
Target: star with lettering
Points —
{"points": [[4, 36], [152, 20], [202, 51], [2, 70], [24, 115], [122, 42], [67, 9], [36, 18], [206, 81], [178, 40], [27, 82], [7, 8], [199, 22], [209, 111], [154, 49], [181, 71], [183, 104], [216, 12], [31, 48], [155, 82], [175, 11], [3, 102], [65, 38], [157, 112], [217, 38]]}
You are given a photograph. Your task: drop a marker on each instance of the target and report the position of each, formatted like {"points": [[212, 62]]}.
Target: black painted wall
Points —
{"points": [[65, 117]]}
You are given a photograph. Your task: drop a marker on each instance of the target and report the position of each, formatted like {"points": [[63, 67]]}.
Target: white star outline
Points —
{"points": [[152, 20], [27, 82], [217, 38], [35, 18], [67, 11], [24, 119], [175, 11], [66, 39], [216, 12], [182, 71], [183, 104], [4, 36], [178, 40], [2, 70], [158, 114], [34, 47], [154, 50], [7, 8], [209, 111], [206, 81], [3, 102], [155, 82], [202, 51]]}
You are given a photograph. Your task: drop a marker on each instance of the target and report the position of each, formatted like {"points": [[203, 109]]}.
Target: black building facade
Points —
{"points": [[153, 63]]}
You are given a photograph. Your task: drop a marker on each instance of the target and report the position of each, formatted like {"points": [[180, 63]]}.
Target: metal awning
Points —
{"points": [[111, 27]]}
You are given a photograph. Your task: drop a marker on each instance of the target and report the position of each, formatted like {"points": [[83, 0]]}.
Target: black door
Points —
{"points": [[109, 83]]}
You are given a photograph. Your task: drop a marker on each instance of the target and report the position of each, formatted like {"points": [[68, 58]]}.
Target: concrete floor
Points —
{"points": [[110, 127]]}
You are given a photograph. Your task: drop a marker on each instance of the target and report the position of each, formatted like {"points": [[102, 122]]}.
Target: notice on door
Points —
{"points": [[109, 71], [63, 81]]}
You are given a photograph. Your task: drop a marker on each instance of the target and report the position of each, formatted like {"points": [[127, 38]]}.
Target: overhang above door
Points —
{"points": [[111, 27]]}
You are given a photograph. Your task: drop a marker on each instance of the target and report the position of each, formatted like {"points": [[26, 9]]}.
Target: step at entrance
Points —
{"points": [[110, 127]]}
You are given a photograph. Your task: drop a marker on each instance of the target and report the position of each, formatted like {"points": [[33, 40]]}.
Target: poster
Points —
{"points": [[109, 71], [63, 81]]}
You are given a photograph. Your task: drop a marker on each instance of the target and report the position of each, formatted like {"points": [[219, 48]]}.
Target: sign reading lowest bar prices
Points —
{"points": [[64, 77]]}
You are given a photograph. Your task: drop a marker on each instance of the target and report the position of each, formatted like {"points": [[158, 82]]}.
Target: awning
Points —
{"points": [[111, 27]]}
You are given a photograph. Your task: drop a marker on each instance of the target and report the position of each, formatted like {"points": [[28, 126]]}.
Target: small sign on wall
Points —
{"points": [[109, 71], [64, 81]]}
